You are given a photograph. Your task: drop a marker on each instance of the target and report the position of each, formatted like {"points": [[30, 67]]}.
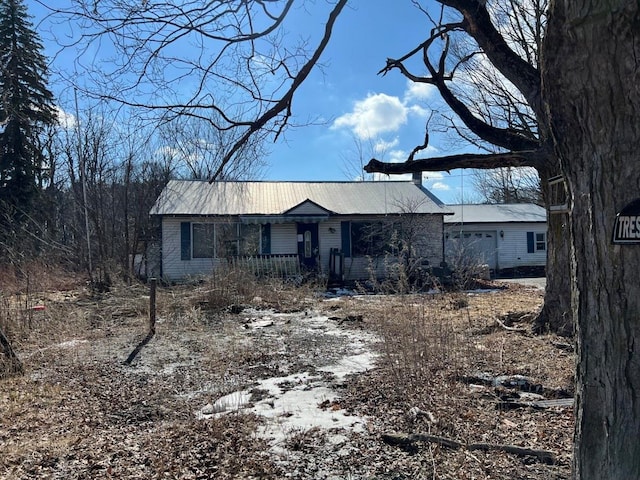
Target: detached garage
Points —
{"points": [[504, 237]]}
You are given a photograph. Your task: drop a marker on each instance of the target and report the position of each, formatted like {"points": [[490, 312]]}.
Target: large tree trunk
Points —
{"points": [[555, 315], [591, 75]]}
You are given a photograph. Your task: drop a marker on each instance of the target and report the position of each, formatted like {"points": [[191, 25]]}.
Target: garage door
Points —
{"points": [[473, 247]]}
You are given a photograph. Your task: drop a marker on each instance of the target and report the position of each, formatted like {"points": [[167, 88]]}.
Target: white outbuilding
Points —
{"points": [[506, 237]]}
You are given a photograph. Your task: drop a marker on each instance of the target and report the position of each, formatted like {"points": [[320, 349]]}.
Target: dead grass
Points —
{"points": [[79, 413], [430, 344]]}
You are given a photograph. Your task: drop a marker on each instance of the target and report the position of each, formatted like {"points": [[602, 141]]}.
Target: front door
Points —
{"points": [[308, 245]]}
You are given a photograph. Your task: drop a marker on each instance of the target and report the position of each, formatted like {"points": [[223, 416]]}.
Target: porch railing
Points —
{"points": [[276, 265]]}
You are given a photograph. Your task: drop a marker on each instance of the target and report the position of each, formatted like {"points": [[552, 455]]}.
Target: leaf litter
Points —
{"points": [[264, 393]]}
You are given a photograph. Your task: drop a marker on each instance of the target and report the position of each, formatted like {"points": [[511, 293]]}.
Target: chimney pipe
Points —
{"points": [[416, 178]]}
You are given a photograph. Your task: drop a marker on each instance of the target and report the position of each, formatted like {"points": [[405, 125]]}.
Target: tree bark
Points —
{"points": [[591, 74], [555, 315]]}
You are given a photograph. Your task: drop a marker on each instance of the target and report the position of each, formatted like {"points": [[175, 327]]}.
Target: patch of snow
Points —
{"points": [[72, 343], [267, 322], [350, 365], [228, 403], [291, 404], [301, 401], [481, 291], [336, 293]]}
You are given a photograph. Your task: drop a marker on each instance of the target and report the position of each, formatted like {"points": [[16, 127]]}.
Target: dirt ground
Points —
{"points": [[430, 386]]}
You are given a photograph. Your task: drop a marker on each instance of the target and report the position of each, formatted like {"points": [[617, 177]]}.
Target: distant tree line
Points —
{"points": [[76, 186]]}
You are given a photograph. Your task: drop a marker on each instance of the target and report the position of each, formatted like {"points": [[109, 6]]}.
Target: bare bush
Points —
{"points": [[465, 266], [421, 338]]}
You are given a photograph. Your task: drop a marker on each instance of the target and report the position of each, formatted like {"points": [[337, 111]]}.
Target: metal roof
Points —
{"points": [[503, 213], [192, 197]]}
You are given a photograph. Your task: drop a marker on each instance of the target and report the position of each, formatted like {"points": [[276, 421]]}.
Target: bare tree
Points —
{"points": [[475, 42], [199, 150], [356, 157], [508, 185], [227, 58], [586, 131]]}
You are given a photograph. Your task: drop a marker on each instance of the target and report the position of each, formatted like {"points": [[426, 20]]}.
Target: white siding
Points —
{"points": [[428, 245], [173, 268], [511, 244], [307, 208], [329, 237], [284, 238]]}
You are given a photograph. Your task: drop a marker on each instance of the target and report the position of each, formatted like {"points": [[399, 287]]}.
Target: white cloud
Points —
{"points": [[376, 114], [67, 120], [381, 146], [418, 91], [440, 186], [398, 156], [380, 113], [404, 177], [419, 111]]}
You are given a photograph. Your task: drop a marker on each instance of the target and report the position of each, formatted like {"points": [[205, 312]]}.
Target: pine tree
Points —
{"points": [[26, 107]]}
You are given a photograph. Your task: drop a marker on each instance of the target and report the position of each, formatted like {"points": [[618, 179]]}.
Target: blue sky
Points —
{"points": [[386, 114], [351, 105]]}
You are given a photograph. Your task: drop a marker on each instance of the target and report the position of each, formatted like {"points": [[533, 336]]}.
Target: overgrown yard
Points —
{"points": [[286, 383]]}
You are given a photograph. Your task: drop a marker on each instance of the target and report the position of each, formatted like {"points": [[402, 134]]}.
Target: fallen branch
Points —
{"points": [[543, 456], [518, 383], [536, 404], [511, 329]]}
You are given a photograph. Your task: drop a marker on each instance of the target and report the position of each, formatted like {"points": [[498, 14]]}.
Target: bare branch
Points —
{"points": [[518, 71], [507, 138], [284, 104], [425, 144], [532, 158]]}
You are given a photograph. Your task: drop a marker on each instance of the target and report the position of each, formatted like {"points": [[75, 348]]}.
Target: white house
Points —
{"points": [[338, 228], [507, 236]]}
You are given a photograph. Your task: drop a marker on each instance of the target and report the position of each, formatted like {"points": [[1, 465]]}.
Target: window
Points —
{"points": [[203, 240], [307, 244], [249, 239], [372, 238], [226, 240], [220, 240], [536, 242]]}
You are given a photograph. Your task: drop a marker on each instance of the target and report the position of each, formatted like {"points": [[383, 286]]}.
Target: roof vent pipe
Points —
{"points": [[416, 178]]}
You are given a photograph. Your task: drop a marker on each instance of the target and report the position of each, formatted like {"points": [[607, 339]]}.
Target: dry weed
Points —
{"points": [[79, 413]]}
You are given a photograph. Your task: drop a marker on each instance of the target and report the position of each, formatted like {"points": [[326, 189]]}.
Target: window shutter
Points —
{"points": [[265, 232], [185, 240], [530, 243], [345, 230]]}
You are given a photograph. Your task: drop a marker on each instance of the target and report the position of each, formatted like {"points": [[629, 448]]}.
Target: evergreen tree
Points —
{"points": [[26, 107]]}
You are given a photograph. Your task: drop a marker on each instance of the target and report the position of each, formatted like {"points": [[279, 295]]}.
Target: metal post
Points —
{"points": [[152, 306]]}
